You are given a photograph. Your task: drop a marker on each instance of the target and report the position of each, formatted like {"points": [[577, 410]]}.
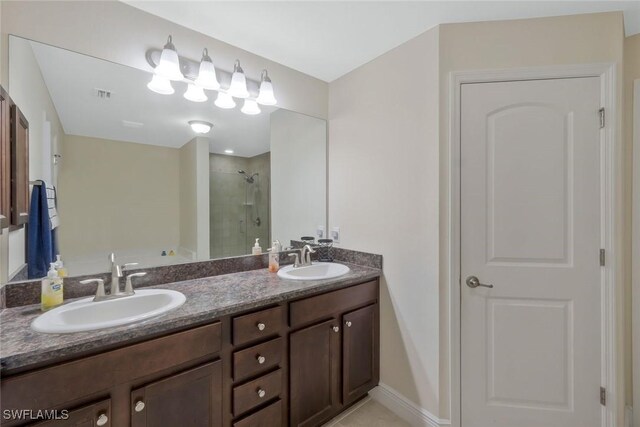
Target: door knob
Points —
{"points": [[474, 282], [102, 420], [139, 406], [335, 329], [348, 323], [261, 393], [261, 359], [261, 326]]}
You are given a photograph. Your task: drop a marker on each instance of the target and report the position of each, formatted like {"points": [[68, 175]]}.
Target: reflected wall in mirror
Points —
{"points": [[130, 175]]}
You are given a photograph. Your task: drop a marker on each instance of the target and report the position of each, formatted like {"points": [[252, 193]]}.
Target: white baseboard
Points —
{"points": [[405, 409]]}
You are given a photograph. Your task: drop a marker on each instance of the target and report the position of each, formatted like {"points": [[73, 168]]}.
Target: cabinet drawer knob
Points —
{"points": [[261, 359], [336, 329], [348, 323], [261, 326], [102, 420], [139, 406], [261, 393]]}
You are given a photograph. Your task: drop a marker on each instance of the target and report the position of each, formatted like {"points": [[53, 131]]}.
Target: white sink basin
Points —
{"points": [[86, 315], [315, 271]]}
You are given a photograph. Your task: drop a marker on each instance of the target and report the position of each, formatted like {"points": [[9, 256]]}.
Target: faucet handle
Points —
{"points": [[100, 292], [128, 287], [127, 265]]}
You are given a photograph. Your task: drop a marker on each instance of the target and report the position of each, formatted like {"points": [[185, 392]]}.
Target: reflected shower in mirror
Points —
{"points": [[159, 179]]}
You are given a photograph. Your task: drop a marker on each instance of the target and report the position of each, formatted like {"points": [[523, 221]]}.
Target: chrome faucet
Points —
{"points": [[305, 255]]}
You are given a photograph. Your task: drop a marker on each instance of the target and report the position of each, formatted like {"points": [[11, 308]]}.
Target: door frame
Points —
{"points": [[610, 190]]}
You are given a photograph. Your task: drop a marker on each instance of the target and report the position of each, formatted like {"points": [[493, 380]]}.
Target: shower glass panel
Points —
{"points": [[239, 204]]}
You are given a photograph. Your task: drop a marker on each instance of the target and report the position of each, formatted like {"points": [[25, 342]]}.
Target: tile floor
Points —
{"points": [[369, 414]]}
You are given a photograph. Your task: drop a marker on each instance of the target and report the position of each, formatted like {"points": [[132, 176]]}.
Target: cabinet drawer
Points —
{"points": [[96, 414], [248, 396], [271, 416], [67, 382], [257, 359], [323, 306], [258, 325]]}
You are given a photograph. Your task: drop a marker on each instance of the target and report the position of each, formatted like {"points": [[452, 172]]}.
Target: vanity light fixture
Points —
{"points": [[207, 73], [195, 93], [169, 65], [227, 151], [225, 101], [199, 126], [238, 88], [160, 85], [250, 107], [266, 97]]}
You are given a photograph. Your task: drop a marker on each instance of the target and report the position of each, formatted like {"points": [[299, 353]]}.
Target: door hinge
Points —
{"points": [[602, 122], [603, 396], [602, 258]]}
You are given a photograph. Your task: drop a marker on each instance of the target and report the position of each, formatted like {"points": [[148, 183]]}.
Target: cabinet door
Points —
{"points": [[314, 365], [5, 160], [359, 353], [19, 167], [96, 414], [189, 399]]}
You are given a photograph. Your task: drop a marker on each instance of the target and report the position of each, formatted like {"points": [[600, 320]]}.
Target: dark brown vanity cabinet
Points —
{"points": [[295, 363], [334, 362], [189, 399]]}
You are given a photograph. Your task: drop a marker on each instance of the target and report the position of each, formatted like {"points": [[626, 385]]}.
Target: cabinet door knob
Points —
{"points": [[335, 329], [261, 393], [348, 323], [139, 406], [102, 420], [261, 359], [261, 326]]}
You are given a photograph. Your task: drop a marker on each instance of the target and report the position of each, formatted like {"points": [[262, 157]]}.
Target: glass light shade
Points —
{"points": [[238, 88], [169, 65], [160, 85], [195, 93], [224, 100], [207, 73], [250, 107], [200, 127], [266, 97]]}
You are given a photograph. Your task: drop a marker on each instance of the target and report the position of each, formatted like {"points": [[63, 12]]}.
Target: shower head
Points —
{"points": [[247, 178]]}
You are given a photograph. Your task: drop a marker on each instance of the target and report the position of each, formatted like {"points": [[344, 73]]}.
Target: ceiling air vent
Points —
{"points": [[102, 93]]}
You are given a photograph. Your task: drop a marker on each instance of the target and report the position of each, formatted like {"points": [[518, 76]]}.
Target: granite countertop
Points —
{"points": [[207, 299]]}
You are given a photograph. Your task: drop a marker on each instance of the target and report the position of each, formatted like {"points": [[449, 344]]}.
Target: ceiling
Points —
{"points": [[164, 118], [327, 39]]}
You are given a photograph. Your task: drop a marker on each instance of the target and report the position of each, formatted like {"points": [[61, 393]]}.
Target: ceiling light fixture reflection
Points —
{"points": [[199, 126], [160, 85], [195, 93], [250, 107], [224, 100], [227, 151], [169, 65], [266, 96], [207, 78], [238, 88]]}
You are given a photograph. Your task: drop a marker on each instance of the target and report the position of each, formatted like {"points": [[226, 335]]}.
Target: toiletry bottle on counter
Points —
{"points": [[274, 257], [52, 292], [256, 250], [62, 272]]}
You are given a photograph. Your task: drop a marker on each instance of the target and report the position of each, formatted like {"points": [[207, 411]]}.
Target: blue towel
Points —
{"points": [[40, 240]]}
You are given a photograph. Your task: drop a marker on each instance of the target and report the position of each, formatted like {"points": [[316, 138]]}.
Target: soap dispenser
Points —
{"points": [[256, 250], [52, 292], [274, 257]]}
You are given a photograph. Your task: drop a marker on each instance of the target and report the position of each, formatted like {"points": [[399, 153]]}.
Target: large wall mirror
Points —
{"points": [[130, 175]]}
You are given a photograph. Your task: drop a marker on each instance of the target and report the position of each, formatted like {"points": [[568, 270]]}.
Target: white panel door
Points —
{"points": [[530, 226]]}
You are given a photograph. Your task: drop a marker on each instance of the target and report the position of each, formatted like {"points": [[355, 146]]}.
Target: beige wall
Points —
{"points": [[194, 197], [28, 90], [578, 39], [383, 194], [631, 73], [117, 196]]}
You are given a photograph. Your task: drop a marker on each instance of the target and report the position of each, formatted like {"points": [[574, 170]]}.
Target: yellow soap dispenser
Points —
{"points": [[52, 290]]}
